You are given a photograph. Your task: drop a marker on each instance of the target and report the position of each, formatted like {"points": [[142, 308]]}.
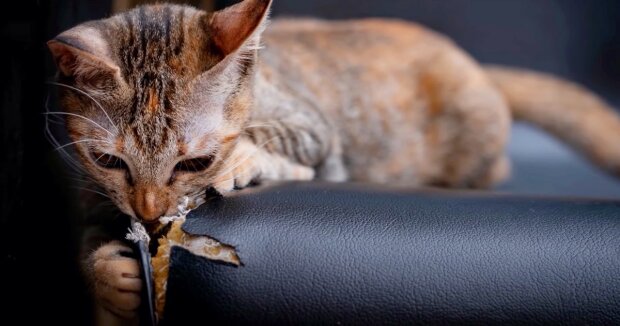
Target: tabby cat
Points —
{"points": [[165, 101]]}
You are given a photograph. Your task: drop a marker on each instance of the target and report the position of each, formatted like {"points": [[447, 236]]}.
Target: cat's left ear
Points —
{"points": [[238, 25]]}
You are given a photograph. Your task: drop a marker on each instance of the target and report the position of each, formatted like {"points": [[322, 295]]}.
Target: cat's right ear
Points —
{"points": [[78, 55]]}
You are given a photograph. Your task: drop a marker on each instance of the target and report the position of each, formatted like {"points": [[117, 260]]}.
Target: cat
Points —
{"points": [[164, 101]]}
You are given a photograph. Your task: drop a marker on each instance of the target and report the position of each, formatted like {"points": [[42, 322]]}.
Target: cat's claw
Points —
{"points": [[117, 282], [262, 169]]}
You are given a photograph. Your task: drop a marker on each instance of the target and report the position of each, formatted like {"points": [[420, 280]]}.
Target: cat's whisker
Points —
{"points": [[55, 120], [197, 196], [64, 154], [80, 116], [93, 191], [260, 125], [254, 152], [77, 168], [90, 97], [237, 164], [84, 178], [87, 183], [236, 176], [72, 162], [196, 193], [83, 183], [82, 141], [100, 156]]}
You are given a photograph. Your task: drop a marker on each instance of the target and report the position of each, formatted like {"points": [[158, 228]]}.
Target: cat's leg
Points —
{"points": [[498, 171], [468, 121], [332, 167], [477, 122], [116, 279], [251, 163], [298, 145], [113, 275]]}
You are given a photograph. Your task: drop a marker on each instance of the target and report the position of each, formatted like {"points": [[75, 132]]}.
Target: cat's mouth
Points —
{"points": [[156, 226]]}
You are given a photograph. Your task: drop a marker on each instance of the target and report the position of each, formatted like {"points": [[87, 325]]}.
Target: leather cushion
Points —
{"points": [[329, 253]]}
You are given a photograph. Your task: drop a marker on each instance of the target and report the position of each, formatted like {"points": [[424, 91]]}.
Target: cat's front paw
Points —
{"points": [[116, 279], [238, 177], [245, 169]]}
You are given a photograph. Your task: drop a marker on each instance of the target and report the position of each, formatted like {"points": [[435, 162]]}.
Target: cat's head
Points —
{"points": [[155, 98]]}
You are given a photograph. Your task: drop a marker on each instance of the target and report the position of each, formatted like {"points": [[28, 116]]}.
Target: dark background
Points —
{"points": [[576, 39]]}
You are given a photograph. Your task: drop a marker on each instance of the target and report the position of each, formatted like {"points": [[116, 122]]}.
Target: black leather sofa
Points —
{"points": [[312, 253]]}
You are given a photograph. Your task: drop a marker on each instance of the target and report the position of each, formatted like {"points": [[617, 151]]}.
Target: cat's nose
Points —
{"points": [[149, 204]]}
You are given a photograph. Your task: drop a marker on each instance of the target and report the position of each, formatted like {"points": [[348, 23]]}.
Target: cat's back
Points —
{"points": [[351, 42], [354, 32], [300, 50]]}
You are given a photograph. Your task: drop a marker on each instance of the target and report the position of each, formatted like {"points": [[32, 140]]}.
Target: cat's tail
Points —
{"points": [[564, 109]]}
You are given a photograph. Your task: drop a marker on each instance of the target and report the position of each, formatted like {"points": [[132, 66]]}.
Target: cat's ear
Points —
{"points": [[237, 25], [82, 53]]}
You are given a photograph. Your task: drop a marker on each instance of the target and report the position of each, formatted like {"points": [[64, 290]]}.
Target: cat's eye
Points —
{"points": [[108, 161], [194, 165]]}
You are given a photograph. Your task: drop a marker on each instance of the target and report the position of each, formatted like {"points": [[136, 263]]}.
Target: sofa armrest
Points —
{"points": [[337, 253]]}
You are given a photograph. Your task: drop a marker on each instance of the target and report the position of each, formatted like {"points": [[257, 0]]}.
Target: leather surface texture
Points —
{"points": [[348, 254]]}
